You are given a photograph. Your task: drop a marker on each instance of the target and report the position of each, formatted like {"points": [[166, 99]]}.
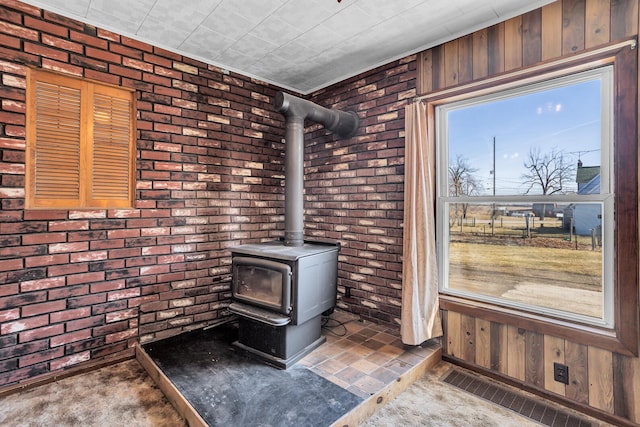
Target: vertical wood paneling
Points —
{"points": [[620, 402], [499, 348], [437, 68], [576, 358], [517, 352], [597, 18], [572, 26], [624, 19], [480, 54], [532, 37], [468, 338], [553, 353], [424, 67], [465, 59], [451, 63], [534, 359], [626, 391], [513, 43], [483, 343], [552, 30], [600, 379], [495, 40], [454, 346], [444, 316], [633, 387]]}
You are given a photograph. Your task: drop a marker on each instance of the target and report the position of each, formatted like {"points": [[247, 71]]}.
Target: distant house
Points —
{"points": [[585, 216], [584, 175]]}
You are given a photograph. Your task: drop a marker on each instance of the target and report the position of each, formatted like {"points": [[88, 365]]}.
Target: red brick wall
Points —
{"points": [[355, 188], [85, 285]]}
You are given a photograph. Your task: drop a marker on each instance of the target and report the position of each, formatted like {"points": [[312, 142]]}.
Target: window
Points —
{"points": [[537, 194], [527, 197], [80, 143]]}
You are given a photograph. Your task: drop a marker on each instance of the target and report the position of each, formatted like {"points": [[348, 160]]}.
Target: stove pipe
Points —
{"points": [[296, 110]]}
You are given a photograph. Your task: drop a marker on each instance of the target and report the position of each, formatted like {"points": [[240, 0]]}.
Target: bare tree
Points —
{"points": [[550, 172], [462, 181]]}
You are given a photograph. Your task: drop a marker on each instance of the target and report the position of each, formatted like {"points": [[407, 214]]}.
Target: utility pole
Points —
{"points": [[493, 172]]}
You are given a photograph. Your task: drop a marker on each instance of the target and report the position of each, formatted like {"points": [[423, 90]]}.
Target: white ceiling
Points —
{"points": [[300, 45]]}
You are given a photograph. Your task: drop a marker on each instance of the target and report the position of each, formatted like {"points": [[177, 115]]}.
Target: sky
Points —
{"points": [[565, 118]]}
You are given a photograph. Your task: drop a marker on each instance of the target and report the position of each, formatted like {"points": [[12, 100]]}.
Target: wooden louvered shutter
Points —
{"points": [[54, 135], [80, 143], [110, 153]]}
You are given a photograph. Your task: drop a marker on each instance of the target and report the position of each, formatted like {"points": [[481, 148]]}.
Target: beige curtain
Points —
{"points": [[420, 318]]}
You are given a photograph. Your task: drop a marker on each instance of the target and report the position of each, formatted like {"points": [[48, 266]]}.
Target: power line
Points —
{"points": [[582, 151]]}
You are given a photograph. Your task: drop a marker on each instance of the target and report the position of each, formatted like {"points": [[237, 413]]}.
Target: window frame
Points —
{"points": [[88, 92], [604, 198], [623, 337]]}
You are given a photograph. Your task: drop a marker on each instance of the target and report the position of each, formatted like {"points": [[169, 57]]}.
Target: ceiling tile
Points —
{"points": [[306, 14], [205, 43], [132, 12], [253, 46], [275, 30], [74, 7], [301, 45]]}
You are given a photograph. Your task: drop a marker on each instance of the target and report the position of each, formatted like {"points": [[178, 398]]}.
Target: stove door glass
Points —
{"points": [[262, 282]]}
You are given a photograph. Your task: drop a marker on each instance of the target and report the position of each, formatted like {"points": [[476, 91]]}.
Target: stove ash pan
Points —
{"points": [[280, 285]]}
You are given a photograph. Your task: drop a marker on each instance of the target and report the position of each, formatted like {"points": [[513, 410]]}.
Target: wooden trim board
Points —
{"points": [[182, 405]]}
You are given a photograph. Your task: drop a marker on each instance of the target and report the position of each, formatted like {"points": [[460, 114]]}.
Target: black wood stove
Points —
{"points": [[282, 288]]}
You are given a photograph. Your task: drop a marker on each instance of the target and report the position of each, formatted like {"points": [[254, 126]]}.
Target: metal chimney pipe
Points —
{"points": [[296, 110]]}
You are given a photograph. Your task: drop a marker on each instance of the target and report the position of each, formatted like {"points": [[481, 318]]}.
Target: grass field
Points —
{"points": [[547, 276]]}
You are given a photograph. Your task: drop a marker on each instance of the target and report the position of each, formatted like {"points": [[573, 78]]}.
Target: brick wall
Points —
{"points": [[87, 284], [354, 188], [78, 286]]}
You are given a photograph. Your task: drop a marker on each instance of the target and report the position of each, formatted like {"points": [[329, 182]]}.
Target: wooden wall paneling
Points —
{"points": [[468, 338], [600, 373], [632, 382], [444, 318], [626, 393], [517, 348], [532, 37], [552, 30], [454, 347], [624, 19], [534, 359], [499, 347], [598, 377], [451, 63], [424, 69], [597, 19], [495, 51], [513, 43], [553, 353], [465, 59], [480, 54], [483, 343], [437, 68], [576, 358], [572, 26]]}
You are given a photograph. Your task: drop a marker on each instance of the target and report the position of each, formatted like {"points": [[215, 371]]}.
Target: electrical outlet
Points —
{"points": [[561, 373]]}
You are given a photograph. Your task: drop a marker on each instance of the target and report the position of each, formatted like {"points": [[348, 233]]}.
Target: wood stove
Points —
{"points": [[280, 293], [280, 289]]}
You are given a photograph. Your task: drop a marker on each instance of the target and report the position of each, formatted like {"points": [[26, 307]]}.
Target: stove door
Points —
{"points": [[263, 282]]}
